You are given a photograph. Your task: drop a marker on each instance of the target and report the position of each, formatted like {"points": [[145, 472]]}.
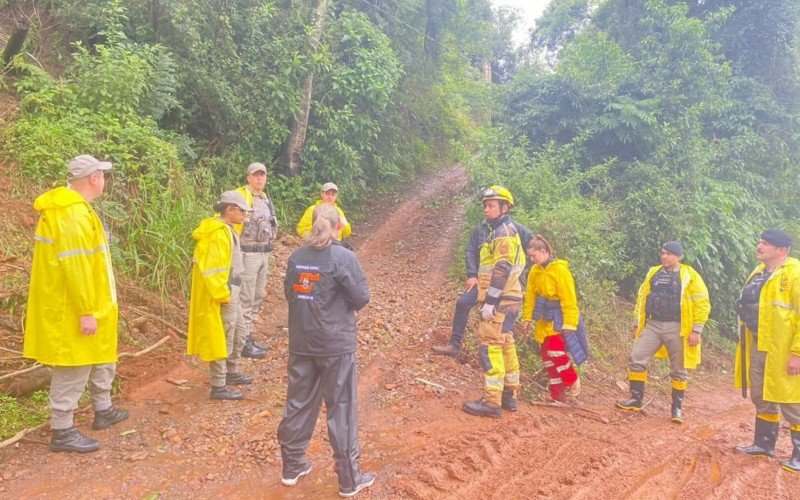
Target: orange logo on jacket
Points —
{"points": [[305, 282]]}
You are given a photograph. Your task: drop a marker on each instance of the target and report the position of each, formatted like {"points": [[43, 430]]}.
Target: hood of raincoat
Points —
{"points": [[206, 227], [58, 198]]}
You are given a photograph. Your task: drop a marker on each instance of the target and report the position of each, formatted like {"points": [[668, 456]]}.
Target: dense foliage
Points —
{"points": [[182, 95], [657, 121]]}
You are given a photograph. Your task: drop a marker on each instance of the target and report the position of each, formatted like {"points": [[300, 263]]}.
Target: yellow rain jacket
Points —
{"points": [[210, 273], [304, 226], [71, 276], [778, 332], [553, 282], [695, 308], [501, 262]]}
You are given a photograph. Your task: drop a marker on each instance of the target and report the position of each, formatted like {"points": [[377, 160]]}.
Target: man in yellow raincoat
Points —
{"points": [[672, 307], [768, 310], [500, 296], [72, 313], [214, 309], [329, 194]]}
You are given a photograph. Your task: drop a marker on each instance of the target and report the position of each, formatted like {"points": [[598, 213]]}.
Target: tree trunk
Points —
{"points": [[15, 42], [293, 148]]}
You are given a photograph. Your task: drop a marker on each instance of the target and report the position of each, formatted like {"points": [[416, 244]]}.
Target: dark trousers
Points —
{"points": [[312, 380], [465, 302]]}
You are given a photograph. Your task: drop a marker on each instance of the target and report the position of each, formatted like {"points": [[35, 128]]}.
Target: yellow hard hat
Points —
{"points": [[497, 193]]}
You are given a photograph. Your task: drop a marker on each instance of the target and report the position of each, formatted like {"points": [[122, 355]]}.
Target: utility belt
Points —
{"points": [[263, 248]]}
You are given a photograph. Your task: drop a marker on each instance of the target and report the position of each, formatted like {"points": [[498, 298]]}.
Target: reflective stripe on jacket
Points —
{"points": [[211, 269], [304, 226], [71, 276], [778, 332], [552, 282], [695, 308]]}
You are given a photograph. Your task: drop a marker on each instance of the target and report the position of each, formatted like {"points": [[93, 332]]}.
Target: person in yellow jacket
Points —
{"points": [[72, 314], [214, 308], [329, 194], [500, 297], [551, 300], [672, 307], [769, 313], [256, 238]]}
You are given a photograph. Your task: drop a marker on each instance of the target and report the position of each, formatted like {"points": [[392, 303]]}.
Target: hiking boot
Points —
{"points": [[793, 464], [238, 379], [446, 350], [72, 440], [252, 351], [483, 409], [637, 395], [365, 480], [575, 389], [766, 434], [225, 393], [291, 478], [104, 419], [509, 401], [677, 401], [249, 340]]}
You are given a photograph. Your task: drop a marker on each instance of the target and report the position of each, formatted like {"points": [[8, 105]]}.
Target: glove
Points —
{"points": [[487, 312]]}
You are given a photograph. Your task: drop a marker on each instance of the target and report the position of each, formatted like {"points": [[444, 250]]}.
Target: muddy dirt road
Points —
{"points": [[180, 444]]}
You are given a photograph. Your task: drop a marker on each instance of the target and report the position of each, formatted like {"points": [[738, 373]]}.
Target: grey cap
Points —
{"points": [[674, 248], [328, 186], [256, 167], [84, 165], [234, 198]]}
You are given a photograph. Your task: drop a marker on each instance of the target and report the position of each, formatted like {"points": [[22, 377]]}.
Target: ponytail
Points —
{"points": [[325, 221]]}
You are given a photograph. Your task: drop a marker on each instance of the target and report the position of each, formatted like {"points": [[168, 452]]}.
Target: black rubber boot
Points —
{"points": [[104, 419], [637, 395], [72, 440], [509, 402], [238, 379], [351, 479], [255, 344], [251, 350], [447, 350], [766, 434], [225, 393], [677, 401], [483, 409], [793, 464]]}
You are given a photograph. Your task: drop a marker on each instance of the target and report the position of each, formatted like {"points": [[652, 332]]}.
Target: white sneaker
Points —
{"points": [[291, 481]]}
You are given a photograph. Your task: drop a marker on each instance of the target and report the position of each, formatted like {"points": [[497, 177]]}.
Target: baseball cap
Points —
{"points": [[256, 167], [328, 186], [673, 247], [84, 165], [234, 198], [777, 237]]}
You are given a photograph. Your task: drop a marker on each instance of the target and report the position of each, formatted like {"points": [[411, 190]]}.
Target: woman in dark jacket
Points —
{"points": [[324, 286]]}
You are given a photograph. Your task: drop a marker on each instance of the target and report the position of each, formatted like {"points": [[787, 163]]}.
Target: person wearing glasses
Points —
{"points": [[214, 308]]}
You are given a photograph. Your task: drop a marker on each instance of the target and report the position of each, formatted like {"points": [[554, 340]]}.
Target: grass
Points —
{"points": [[17, 414]]}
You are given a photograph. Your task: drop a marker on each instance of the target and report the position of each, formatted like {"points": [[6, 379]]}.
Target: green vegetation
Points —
{"points": [[17, 414], [181, 96], [656, 121]]}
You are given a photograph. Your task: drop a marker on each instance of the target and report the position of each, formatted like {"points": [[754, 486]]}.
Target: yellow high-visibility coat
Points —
{"points": [[778, 332], [501, 262], [553, 282], [304, 226], [71, 276], [211, 269], [695, 308]]}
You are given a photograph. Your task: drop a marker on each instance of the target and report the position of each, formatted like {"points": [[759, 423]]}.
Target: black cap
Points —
{"points": [[780, 239], [674, 248]]}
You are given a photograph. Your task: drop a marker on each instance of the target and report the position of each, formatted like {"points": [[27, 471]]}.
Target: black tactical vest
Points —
{"points": [[748, 302], [664, 301]]}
